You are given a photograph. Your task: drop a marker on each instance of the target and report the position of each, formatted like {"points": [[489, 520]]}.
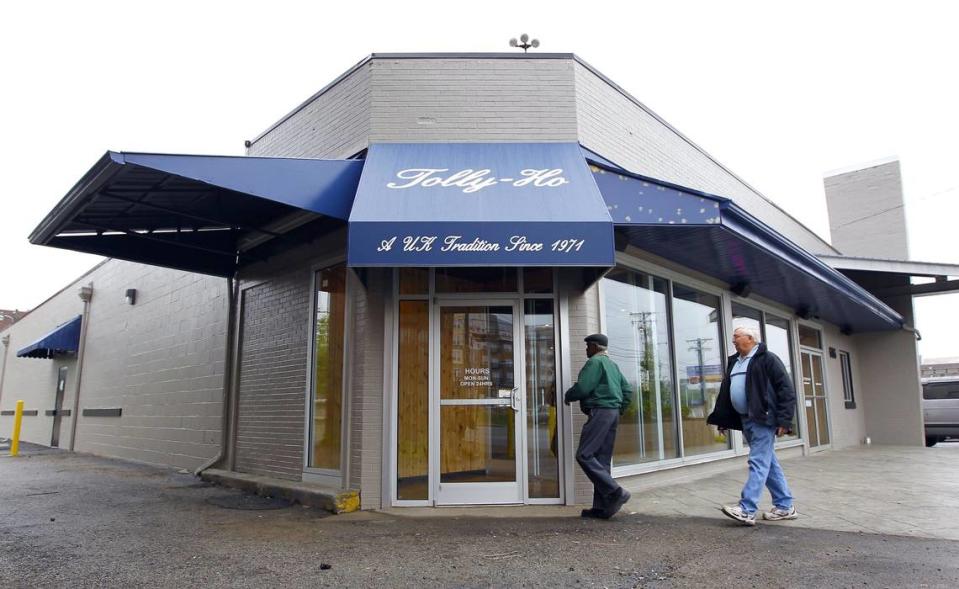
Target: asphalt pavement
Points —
{"points": [[82, 521]]}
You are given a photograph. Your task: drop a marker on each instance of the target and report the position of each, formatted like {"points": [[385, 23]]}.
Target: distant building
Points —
{"points": [[940, 367], [8, 318]]}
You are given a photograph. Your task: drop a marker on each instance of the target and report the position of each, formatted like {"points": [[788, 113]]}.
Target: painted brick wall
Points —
{"points": [[472, 100], [617, 128], [273, 377], [160, 361], [33, 380], [333, 124], [847, 426]]}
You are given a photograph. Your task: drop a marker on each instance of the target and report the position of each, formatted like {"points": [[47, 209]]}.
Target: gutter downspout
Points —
{"points": [[3, 371], [225, 430], [86, 295]]}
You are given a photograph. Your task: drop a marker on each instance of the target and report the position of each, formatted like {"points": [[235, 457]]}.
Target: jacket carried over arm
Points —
{"points": [[770, 397], [600, 385]]}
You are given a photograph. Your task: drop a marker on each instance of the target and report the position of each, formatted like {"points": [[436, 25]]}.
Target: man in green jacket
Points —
{"points": [[603, 394]]}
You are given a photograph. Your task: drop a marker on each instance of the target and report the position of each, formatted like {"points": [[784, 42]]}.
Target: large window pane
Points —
{"points": [[413, 402], [744, 316], [777, 342], [541, 417], [638, 329], [328, 333], [700, 367]]}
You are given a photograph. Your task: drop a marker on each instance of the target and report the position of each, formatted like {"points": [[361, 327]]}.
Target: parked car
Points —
{"points": [[940, 408]]}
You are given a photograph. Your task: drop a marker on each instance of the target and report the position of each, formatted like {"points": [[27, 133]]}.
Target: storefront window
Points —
{"points": [[413, 398], [328, 354], [638, 329], [541, 417], [700, 367], [744, 316]]}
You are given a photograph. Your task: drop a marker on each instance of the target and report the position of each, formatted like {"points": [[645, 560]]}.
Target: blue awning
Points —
{"points": [[65, 339], [718, 238], [207, 214], [478, 204]]}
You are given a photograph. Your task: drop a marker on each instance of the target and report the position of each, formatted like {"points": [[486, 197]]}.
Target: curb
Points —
{"points": [[309, 494]]}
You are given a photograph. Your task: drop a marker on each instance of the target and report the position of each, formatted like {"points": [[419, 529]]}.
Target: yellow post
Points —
{"points": [[17, 418]]}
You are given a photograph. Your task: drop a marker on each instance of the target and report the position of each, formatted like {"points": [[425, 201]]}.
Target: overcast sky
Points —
{"points": [[778, 95]]}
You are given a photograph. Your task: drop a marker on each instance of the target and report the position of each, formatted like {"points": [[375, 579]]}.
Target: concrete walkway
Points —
{"points": [[875, 490], [883, 490]]}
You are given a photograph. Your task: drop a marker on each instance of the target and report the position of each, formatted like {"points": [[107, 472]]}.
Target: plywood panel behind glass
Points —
{"points": [[328, 333], [413, 410], [476, 362], [477, 444]]}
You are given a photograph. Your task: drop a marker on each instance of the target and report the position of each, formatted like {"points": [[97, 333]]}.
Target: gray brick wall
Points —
{"points": [[583, 320], [472, 100], [333, 124], [616, 127], [367, 386], [273, 376], [867, 217]]}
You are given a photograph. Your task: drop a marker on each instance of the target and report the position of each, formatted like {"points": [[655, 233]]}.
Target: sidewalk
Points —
{"points": [[882, 490]]}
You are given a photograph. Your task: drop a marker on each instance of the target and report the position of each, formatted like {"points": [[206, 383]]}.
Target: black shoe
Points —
{"points": [[593, 512], [617, 503]]}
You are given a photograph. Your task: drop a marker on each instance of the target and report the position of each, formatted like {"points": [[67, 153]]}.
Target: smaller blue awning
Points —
{"points": [[65, 339], [478, 204]]}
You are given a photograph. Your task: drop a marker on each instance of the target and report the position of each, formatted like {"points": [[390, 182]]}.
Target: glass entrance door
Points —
{"points": [[814, 399], [480, 399]]}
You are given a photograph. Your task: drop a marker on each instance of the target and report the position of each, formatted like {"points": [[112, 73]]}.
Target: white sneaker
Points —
{"points": [[776, 514], [739, 514]]}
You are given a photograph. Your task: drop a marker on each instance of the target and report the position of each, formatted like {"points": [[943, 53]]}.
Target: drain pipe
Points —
{"points": [[3, 371], [225, 435], [86, 295]]}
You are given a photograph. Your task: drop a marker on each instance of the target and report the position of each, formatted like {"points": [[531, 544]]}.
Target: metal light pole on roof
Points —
{"points": [[524, 42]]}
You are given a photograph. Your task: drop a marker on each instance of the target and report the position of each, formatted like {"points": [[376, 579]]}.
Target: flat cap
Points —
{"points": [[597, 338]]}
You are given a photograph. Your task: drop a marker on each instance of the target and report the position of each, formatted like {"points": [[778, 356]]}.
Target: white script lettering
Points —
{"points": [[470, 180]]}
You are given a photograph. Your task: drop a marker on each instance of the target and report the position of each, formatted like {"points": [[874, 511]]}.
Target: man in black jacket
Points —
{"points": [[757, 397]]}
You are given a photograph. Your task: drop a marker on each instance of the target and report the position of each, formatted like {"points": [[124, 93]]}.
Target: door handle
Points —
{"points": [[514, 399]]}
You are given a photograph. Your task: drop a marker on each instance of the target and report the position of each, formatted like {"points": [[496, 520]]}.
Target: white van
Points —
{"points": [[940, 408]]}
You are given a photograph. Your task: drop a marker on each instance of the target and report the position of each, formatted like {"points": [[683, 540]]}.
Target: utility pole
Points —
{"points": [[699, 346]]}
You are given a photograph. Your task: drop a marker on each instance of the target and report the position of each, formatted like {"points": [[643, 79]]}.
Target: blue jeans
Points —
{"points": [[764, 469]]}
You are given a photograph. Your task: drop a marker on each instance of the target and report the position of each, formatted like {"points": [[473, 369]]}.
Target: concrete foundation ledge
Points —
{"points": [[310, 494]]}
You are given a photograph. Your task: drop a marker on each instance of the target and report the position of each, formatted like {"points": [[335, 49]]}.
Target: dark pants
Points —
{"points": [[595, 454]]}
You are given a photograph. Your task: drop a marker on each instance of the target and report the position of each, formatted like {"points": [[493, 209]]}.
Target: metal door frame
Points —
{"points": [[479, 493]]}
